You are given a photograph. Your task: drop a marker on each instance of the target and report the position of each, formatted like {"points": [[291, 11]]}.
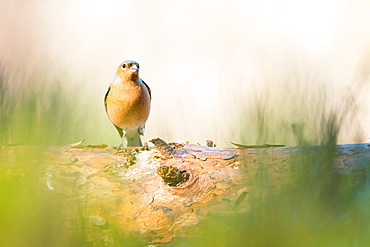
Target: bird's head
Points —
{"points": [[128, 70]]}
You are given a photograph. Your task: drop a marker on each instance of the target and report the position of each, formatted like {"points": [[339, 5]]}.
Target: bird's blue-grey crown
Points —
{"points": [[130, 62]]}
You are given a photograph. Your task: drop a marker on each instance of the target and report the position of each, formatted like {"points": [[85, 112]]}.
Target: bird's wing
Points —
{"points": [[105, 98], [141, 129], [120, 131], [146, 85]]}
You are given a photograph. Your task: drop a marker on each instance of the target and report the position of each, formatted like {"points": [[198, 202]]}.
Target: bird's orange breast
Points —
{"points": [[128, 104]]}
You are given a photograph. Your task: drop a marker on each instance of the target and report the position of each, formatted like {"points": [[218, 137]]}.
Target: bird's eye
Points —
{"points": [[123, 65]]}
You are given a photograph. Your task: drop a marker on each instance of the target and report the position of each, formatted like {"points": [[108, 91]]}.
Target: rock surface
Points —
{"points": [[125, 190]]}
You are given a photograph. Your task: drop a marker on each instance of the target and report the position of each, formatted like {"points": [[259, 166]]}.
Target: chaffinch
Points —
{"points": [[127, 103]]}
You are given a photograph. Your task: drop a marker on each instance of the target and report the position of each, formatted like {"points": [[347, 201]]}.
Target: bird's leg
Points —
{"points": [[121, 143]]}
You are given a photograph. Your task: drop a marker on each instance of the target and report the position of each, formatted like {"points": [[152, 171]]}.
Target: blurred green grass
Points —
{"points": [[29, 216], [34, 215], [313, 205], [50, 107]]}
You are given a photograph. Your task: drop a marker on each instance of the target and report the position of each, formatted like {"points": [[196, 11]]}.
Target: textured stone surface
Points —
{"points": [[122, 190]]}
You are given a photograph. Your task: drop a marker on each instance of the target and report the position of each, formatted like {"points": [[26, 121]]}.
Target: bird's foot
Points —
{"points": [[119, 147], [145, 147]]}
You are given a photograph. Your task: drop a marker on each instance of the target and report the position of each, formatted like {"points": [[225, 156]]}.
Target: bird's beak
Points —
{"points": [[134, 68]]}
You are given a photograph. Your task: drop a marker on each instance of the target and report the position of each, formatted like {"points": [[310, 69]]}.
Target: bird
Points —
{"points": [[127, 103]]}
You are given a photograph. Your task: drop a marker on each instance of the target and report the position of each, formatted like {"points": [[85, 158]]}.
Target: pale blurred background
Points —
{"points": [[245, 71]]}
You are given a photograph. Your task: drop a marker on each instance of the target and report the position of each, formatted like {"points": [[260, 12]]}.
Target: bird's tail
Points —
{"points": [[133, 139]]}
